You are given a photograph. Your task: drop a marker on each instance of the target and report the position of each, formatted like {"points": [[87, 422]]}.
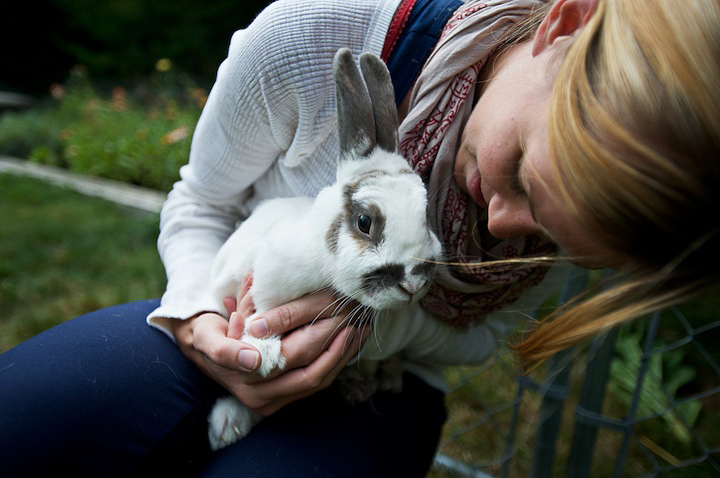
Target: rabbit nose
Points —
{"points": [[410, 289], [407, 292]]}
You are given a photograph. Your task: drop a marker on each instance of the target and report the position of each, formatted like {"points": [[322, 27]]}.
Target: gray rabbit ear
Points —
{"points": [[382, 97], [356, 126]]}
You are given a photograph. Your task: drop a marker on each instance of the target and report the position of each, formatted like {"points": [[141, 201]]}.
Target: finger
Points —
{"points": [[236, 325], [294, 314], [349, 345], [319, 376], [210, 339], [303, 346], [301, 382], [230, 304], [246, 306], [244, 299], [271, 396]]}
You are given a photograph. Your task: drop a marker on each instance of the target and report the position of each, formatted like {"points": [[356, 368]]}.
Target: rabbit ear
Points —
{"points": [[356, 126], [382, 97]]}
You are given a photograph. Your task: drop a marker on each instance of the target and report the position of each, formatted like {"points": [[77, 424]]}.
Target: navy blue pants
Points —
{"points": [[105, 395]]}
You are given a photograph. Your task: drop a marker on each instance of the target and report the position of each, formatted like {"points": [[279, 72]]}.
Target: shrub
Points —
{"points": [[141, 138], [22, 132]]}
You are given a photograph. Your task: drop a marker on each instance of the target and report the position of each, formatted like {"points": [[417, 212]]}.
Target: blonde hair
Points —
{"points": [[635, 140]]}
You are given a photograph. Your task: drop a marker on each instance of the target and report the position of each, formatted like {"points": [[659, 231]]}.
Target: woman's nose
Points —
{"points": [[510, 217]]}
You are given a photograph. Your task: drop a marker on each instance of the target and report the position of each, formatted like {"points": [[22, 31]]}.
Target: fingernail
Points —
{"points": [[248, 360], [258, 328], [233, 316]]}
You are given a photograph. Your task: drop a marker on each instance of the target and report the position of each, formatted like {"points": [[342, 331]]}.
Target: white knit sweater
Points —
{"points": [[269, 130]]}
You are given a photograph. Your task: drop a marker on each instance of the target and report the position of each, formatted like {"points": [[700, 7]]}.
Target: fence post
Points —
{"points": [[642, 373], [554, 396], [591, 400], [555, 393]]}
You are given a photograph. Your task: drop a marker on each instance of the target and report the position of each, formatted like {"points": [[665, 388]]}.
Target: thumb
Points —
{"points": [[210, 339]]}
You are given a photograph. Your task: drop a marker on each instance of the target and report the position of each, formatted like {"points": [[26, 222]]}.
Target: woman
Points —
{"points": [[648, 136], [581, 123]]}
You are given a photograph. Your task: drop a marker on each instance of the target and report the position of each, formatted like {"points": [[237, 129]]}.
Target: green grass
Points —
{"points": [[63, 254]]}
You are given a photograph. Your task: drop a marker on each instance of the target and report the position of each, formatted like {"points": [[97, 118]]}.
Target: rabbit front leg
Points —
{"points": [[270, 350], [230, 420]]}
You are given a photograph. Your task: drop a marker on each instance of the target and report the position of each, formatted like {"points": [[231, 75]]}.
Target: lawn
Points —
{"points": [[64, 254]]}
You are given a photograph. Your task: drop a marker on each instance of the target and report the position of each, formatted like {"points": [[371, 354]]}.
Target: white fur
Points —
{"points": [[285, 243], [229, 422]]}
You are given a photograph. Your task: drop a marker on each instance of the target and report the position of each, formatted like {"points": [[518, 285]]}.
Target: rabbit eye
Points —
{"points": [[364, 223]]}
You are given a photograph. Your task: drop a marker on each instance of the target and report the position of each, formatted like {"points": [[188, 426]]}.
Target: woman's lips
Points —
{"points": [[475, 190]]}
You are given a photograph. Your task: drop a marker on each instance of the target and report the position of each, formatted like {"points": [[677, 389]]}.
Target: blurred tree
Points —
{"points": [[117, 39], [30, 61]]}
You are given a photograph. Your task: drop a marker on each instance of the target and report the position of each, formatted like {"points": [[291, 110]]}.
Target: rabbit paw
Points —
{"points": [[271, 352], [229, 421]]}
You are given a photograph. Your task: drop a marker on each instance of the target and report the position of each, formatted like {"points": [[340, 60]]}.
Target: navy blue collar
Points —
{"points": [[418, 36]]}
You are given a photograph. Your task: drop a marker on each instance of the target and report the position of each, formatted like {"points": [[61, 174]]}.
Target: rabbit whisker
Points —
{"points": [[338, 304], [327, 307], [360, 318], [379, 316], [341, 303]]}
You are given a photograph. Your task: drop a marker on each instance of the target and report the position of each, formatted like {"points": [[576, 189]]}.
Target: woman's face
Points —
{"points": [[504, 163]]}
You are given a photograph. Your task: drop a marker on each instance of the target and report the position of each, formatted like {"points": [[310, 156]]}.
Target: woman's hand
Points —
{"points": [[315, 350]]}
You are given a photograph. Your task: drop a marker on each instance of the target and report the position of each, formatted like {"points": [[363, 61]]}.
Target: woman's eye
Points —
{"points": [[363, 223]]}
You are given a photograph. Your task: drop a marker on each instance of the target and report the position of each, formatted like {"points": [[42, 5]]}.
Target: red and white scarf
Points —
{"points": [[440, 103]]}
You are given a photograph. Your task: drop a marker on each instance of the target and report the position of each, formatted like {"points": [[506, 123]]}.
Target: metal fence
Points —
{"points": [[641, 400]]}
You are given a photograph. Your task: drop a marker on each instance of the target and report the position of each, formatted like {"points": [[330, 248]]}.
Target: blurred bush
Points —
{"points": [[140, 136]]}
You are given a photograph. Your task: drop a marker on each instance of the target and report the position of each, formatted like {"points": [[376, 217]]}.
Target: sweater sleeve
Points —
{"points": [[269, 102], [232, 146]]}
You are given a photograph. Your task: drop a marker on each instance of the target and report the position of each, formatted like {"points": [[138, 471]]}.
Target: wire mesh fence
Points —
{"points": [[640, 400]]}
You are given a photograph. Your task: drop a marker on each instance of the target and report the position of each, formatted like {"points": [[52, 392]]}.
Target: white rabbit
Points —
{"points": [[366, 236]]}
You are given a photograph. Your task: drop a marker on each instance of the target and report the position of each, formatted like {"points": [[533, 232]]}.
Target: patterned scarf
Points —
{"points": [[440, 103]]}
